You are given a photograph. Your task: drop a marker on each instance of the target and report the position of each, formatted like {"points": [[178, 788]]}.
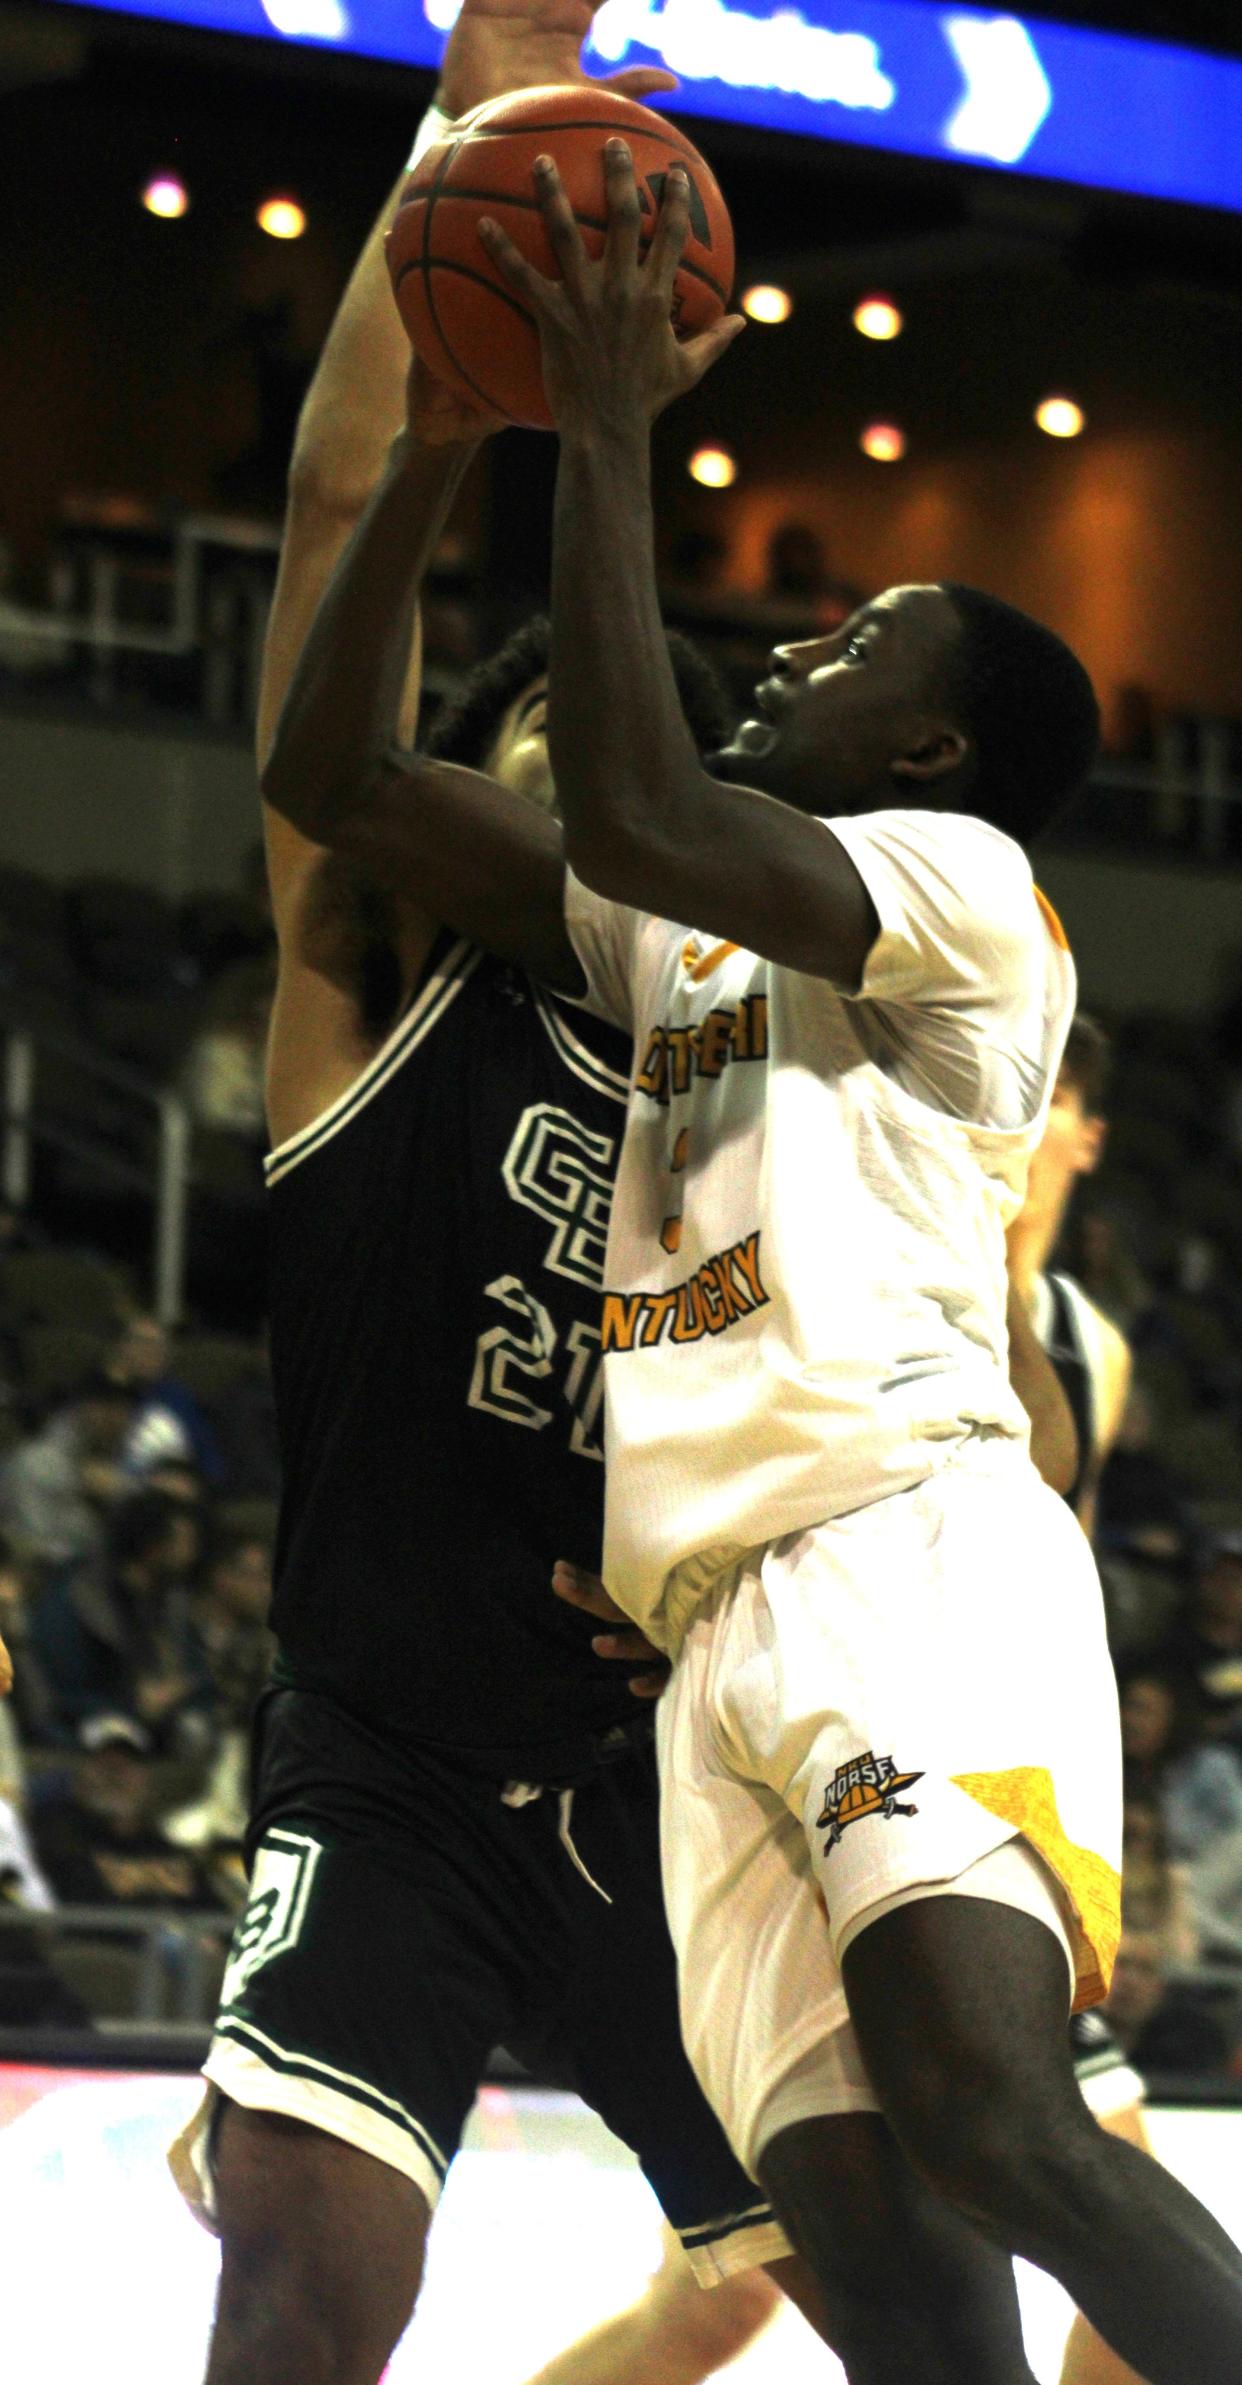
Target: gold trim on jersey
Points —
{"points": [[699, 965], [1051, 920], [1027, 1798]]}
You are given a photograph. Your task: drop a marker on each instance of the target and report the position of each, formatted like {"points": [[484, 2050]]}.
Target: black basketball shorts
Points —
{"points": [[407, 1917]]}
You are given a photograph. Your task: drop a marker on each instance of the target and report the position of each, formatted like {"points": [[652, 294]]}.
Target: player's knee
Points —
{"points": [[312, 2285], [1005, 2159]]}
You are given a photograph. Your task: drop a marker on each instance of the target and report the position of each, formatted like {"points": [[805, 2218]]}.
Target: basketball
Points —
{"points": [[461, 316]]}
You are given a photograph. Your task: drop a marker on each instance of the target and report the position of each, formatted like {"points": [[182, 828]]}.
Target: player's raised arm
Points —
{"points": [[885, 714], [478, 857]]}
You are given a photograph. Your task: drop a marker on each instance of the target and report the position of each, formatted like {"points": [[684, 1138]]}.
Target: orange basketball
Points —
{"points": [[460, 314]]}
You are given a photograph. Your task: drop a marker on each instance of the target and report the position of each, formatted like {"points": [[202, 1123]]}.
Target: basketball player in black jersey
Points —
{"points": [[454, 1825]]}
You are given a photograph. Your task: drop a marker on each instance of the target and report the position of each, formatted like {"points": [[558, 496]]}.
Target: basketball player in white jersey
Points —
{"points": [[888, 1873]]}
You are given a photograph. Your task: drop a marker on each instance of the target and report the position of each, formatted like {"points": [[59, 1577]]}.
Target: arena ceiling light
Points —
{"points": [[877, 318], [165, 195], [713, 467], [1060, 417], [884, 442], [281, 219], [767, 303]]}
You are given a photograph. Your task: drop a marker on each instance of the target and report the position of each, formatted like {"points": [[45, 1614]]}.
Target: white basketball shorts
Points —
{"points": [[915, 1698]]}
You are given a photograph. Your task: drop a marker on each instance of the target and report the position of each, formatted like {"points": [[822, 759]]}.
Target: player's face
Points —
{"points": [[1072, 1146], [519, 754], [844, 723]]}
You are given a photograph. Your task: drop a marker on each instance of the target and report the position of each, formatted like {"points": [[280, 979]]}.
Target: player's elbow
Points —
{"points": [[310, 798], [608, 857]]}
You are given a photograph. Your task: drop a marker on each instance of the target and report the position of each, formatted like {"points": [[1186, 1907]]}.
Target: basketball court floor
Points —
{"points": [[545, 2227]]}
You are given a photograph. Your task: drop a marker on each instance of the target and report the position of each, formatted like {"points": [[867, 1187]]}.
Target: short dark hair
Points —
{"points": [[465, 730], [1028, 707], [1088, 1061]]}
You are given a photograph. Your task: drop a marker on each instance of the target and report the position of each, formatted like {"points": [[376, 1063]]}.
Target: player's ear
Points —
{"points": [[934, 753]]}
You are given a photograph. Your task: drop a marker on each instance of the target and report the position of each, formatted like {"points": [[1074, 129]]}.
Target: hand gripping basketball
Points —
{"points": [[611, 358]]}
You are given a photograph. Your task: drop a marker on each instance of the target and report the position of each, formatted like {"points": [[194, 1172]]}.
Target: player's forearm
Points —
{"points": [[629, 781], [340, 716], [355, 404]]}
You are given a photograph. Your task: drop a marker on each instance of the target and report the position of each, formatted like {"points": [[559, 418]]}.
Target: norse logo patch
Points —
{"points": [[868, 1784]]}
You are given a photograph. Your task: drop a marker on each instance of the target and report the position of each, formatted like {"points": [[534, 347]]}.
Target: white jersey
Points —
{"points": [[805, 1306]]}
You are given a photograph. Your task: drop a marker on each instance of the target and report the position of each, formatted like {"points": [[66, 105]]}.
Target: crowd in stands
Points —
{"points": [[138, 1489], [137, 1522]]}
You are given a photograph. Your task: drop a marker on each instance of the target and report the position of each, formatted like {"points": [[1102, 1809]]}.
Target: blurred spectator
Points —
{"points": [[1140, 1508], [1206, 1641], [95, 1831], [1106, 1265], [57, 1488], [224, 1075], [1156, 1893], [115, 1634], [239, 1646], [1159, 2028], [31, 1994], [233, 1623], [1196, 1787], [168, 1425], [19, 1231]]}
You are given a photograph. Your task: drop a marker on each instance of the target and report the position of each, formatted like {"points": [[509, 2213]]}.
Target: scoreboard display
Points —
{"points": [[1021, 95]]}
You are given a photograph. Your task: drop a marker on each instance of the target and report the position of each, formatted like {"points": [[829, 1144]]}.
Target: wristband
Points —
{"points": [[433, 128]]}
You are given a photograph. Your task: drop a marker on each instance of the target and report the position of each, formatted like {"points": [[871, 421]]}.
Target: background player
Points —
{"points": [[1092, 1360], [1015, 2153]]}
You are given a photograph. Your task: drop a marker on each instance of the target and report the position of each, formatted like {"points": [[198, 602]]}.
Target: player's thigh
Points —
{"points": [[959, 2006], [313, 2230]]}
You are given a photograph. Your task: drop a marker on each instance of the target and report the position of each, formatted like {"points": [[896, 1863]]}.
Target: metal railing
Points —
{"points": [[23, 1126], [177, 1975]]}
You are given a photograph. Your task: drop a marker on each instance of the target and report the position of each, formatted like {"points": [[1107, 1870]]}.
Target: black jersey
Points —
{"points": [[437, 1250], [1059, 1324]]}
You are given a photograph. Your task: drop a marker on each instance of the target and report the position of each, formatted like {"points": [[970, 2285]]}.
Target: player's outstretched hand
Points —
{"points": [[498, 46], [611, 359], [626, 1644]]}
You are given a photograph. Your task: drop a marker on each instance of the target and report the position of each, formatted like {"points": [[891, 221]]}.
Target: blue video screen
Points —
{"points": [[1023, 95]]}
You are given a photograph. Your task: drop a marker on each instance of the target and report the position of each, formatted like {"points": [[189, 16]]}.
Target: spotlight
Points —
{"points": [[767, 304], [713, 467], [281, 219], [165, 195], [884, 442], [878, 319], [1060, 418]]}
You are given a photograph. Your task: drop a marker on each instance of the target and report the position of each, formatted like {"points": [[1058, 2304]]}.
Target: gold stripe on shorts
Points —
{"points": [[1027, 1798]]}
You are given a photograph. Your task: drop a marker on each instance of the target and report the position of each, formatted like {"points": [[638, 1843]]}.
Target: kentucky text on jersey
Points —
{"points": [[726, 1287], [676, 1055]]}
